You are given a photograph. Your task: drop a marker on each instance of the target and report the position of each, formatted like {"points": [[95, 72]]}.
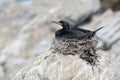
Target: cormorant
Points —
{"points": [[76, 33], [76, 41]]}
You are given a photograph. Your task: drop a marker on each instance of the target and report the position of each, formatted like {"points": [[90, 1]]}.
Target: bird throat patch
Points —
{"points": [[84, 48]]}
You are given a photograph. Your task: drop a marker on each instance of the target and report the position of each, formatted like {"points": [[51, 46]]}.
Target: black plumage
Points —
{"points": [[76, 33], [76, 41]]}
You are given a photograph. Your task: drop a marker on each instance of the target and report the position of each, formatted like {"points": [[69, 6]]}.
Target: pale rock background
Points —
{"points": [[26, 32]]}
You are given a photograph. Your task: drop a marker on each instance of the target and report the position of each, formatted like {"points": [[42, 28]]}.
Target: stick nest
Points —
{"points": [[84, 48]]}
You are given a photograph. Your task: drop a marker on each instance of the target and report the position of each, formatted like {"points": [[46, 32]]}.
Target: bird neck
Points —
{"points": [[66, 27]]}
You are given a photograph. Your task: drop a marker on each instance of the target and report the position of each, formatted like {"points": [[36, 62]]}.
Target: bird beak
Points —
{"points": [[56, 22]]}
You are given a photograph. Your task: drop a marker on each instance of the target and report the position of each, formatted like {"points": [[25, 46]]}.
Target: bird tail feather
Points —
{"points": [[98, 29], [93, 33]]}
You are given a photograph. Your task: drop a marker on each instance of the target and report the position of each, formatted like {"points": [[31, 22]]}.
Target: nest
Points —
{"points": [[84, 48]]}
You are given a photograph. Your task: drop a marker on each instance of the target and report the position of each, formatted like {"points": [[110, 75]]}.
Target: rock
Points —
{"points": [[54, 10], [12, 66], [110, 33], [54, 66], [113, 4], [25, 26], [2, 74], [25, 32]]}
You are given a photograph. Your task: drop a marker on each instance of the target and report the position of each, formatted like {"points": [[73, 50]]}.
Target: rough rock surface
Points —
{"points": [[54, 66], [109, 35], [111, 31], [25, 30], [114, 4]]}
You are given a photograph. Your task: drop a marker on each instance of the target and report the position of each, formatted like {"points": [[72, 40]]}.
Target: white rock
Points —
{"points": [[1, 73], [54, 66]]}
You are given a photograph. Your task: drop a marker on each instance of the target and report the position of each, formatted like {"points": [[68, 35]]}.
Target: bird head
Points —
{"points": [[64, 24]]}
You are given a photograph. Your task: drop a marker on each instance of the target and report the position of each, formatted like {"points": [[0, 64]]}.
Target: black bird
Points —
{"points": [[76, 41], [75, 33]]}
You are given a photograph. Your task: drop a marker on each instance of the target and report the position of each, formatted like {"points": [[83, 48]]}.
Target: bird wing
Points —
{"points": [[75, 34], [81, 30]]}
